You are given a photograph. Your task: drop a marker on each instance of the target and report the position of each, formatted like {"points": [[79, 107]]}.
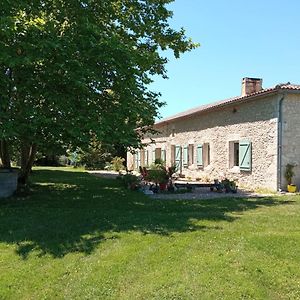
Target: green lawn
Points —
{"points": [[82, 237]]}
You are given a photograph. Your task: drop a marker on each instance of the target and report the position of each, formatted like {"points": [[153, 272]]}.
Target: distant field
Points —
{"points": [[82, 237]]}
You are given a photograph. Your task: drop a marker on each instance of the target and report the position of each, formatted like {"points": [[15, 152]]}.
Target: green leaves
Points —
{"points": [[66, 55]]}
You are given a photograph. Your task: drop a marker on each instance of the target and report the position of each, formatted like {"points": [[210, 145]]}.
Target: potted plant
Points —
{"points": [[158, 176], [131, 181], [289, 174], [171, 171], [229, 185], [163, 180]]}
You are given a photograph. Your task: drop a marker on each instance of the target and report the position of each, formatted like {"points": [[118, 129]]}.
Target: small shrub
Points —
{"points": [[131, 181], [108, 166], [159, 161], [289, 173], [117, 163], [172, 170], [157, 176], [229, 185]]}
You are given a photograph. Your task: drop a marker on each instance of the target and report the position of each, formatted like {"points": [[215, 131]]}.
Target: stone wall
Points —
{"points": [[291, 136], [254, 121]]}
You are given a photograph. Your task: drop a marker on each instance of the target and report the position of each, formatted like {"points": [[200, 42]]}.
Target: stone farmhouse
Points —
{"points": [[250, 138]]}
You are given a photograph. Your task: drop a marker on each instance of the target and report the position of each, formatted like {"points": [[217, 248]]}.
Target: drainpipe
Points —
{"points": [[279, 143]]}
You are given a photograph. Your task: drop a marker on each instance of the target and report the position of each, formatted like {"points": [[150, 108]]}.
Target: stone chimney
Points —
{"points": [[251, 85]]}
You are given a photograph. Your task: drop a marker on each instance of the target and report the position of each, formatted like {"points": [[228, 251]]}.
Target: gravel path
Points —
{"points": [[104, 174], [197, 193], [204, 193]]}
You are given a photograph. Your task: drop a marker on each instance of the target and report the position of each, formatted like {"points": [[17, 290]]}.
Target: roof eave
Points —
{"points": [[213, 108]]}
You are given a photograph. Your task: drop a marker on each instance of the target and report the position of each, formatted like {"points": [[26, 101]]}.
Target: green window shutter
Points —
{"points": [[138, 159], [163, 155], [245, 155], [146, 158], [177, 157], [185, 156], [199, 155], [139, 155], [135, 161]]}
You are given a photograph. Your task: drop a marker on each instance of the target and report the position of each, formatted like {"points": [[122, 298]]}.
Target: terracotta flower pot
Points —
{"points": [[162, 186]]}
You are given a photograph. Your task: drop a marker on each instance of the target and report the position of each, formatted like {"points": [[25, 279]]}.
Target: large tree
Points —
{"points": [[72, 69]]}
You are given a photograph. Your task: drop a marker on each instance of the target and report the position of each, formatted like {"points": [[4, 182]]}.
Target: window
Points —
{"points": [[233, 154], [158, 153], [172, 154], [137, 159], [163, 155], [185, 156], [236, 154], [206, 154], [142, 158], [153, 156], [240, 155], [145, 158], [190, 155]]}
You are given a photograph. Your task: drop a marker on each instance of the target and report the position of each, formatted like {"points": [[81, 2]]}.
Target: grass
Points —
{"points": [[82, 237]]}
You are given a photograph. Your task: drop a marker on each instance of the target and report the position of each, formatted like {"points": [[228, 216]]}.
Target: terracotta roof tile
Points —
{"points": [[215, 105]]}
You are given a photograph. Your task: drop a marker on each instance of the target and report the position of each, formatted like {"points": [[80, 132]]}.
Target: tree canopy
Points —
{"points": [[73, 69]]}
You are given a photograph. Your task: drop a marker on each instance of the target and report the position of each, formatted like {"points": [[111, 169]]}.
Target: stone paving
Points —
{"points": [[205, 193], [197, 193]]}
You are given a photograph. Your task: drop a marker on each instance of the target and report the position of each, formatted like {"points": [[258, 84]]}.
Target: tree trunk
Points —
{"points": [[4, 154], [28, 152]]}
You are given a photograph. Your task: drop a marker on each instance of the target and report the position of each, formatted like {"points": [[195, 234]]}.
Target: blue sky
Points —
{"points": [[238, 39]]}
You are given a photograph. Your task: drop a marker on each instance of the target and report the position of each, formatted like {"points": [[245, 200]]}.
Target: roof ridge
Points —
{"points": [[228, 101]]}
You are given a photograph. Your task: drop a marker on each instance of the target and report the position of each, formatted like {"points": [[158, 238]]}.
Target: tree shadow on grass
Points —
{"points": [[74, 212]]}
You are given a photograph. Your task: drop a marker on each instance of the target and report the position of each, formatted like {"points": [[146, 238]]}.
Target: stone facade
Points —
{"points": [[291, 136], [254, 120]]}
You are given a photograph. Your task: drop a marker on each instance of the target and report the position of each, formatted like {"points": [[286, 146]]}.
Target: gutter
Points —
{"points": [[279, 143]]}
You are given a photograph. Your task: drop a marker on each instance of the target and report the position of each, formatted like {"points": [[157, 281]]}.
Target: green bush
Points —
{"points": [[157, 176], [289, 173], [131, 181], [96, 156], [159, 161], [117, 163]]}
